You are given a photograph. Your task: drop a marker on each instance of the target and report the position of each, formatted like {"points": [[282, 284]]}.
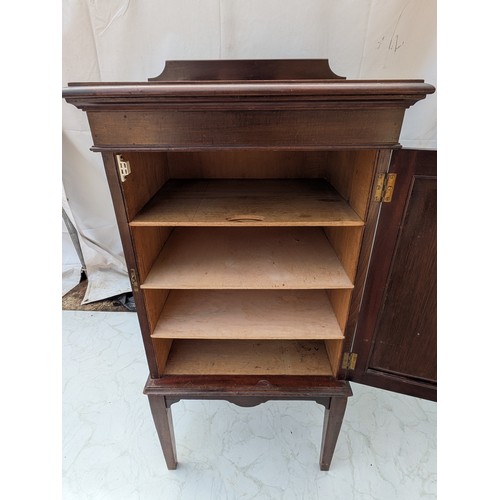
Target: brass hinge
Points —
{"points": [[349, 361], [123, 167], [133, 280], [384, 187]]}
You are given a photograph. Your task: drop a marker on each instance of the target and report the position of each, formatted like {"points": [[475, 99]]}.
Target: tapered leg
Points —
{"points": [[162, 417], [331, 429]]}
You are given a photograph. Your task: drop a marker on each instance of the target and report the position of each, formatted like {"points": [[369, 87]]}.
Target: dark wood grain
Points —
{"points": [[406, 339], [162, 417], [348, 91], [249, 391], [247, 84], [234, 386], [245, 70], [396, 330], [332, 423], [190, 130]]}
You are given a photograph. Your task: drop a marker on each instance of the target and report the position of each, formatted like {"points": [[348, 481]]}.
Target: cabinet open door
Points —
{"points": [[394, 341]]}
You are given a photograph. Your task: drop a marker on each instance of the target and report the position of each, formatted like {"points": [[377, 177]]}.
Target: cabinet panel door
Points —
{"points": [[396, 334]]}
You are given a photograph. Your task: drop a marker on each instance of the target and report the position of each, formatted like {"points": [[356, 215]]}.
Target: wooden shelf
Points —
{"points": [[248, 314], [247, 357], [247, 202], [247, 258]]}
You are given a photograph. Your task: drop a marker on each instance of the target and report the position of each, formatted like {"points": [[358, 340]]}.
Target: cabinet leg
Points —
{"points": [[162, 417], [334, 416]]}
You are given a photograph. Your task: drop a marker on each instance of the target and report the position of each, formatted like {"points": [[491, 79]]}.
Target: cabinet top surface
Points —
{"points": [[294, 79]]}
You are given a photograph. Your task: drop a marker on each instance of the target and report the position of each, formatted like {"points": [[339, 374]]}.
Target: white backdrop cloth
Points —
{"points": [[126, 40]]}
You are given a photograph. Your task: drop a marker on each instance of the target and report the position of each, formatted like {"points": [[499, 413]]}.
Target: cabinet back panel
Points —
{"points": [[247, 164]]}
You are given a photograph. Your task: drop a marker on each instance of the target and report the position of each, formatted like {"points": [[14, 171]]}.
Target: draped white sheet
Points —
{"points": [[123, 40]]}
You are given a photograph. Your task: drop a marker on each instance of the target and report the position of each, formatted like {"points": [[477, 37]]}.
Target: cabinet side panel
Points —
{"points": [[155, 302], [148, 242], [340, 300], [346, 241], [128, 249], [382, 161], [339, 172], [334, 351], [363, 177], [162, 349], [351, 173], [149, 171]]}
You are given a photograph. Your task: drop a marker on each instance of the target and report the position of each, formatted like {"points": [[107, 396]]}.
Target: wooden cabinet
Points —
{"points": [[243, 192]]}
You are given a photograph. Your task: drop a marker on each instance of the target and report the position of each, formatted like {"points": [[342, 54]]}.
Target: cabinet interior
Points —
{"points": [[247, 259]]}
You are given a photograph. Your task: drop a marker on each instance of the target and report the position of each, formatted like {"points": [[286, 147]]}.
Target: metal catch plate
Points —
{"points": [[133, 280], [123, 167]]}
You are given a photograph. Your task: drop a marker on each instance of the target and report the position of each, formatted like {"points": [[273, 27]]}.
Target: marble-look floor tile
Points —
{"points": [[386, 449]]}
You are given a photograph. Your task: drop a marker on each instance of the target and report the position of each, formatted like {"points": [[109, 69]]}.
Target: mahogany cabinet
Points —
{"points": [[247, 195]]}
